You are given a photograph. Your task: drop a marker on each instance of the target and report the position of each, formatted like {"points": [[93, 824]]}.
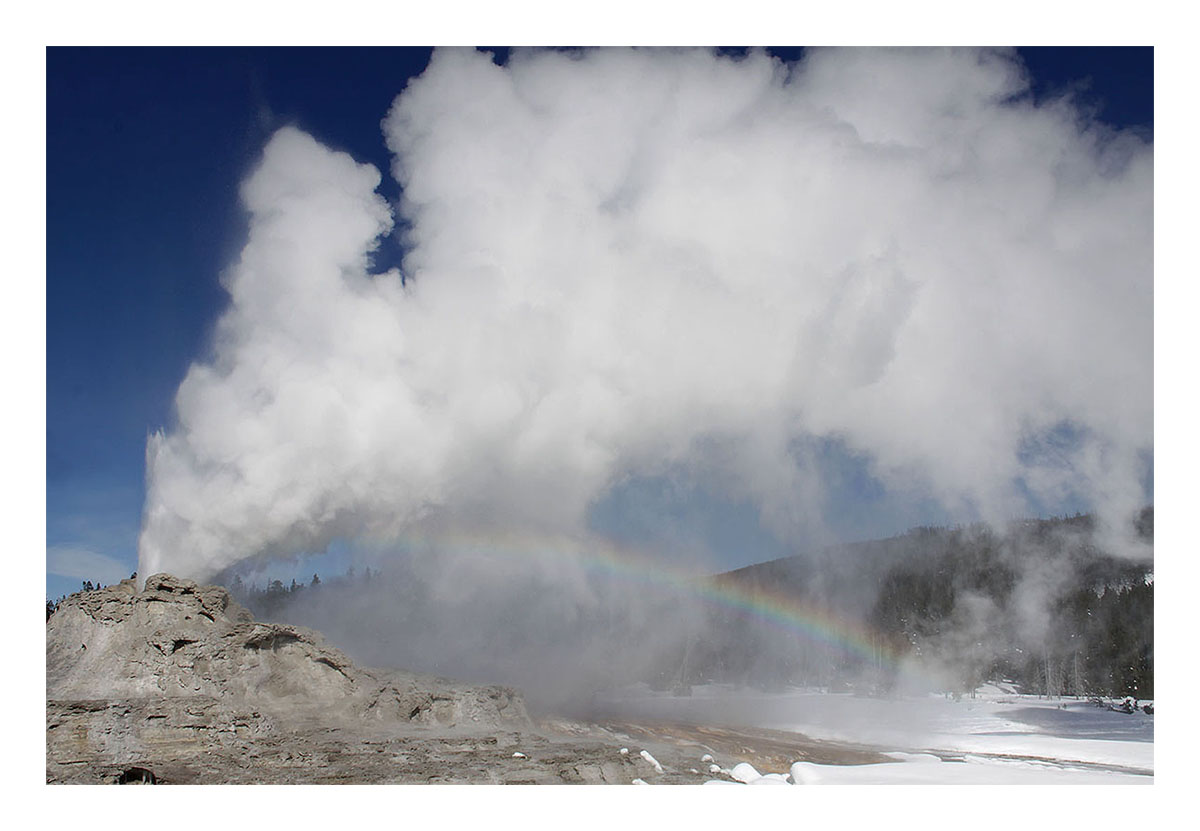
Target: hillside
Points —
{"points": [[179, 684], [1046, 604], [1038, 602]]}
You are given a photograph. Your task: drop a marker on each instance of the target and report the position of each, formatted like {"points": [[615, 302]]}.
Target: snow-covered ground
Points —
{"points": [[995, 737]]}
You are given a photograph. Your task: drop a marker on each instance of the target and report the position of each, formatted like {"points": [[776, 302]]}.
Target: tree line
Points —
{"points": [[1036, 603], [1092, 634], [85, 586], [272, 598]]}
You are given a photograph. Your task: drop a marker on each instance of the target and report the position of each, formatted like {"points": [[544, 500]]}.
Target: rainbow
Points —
{"points": [[815, 624]]}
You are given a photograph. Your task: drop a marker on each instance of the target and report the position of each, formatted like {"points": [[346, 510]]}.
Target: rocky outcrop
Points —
{"points": [[177, 683], [178, 639], [179, 678]]}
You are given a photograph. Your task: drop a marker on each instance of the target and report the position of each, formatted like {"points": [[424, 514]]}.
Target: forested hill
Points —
{"points": [[849, 575], [1039, 602]]}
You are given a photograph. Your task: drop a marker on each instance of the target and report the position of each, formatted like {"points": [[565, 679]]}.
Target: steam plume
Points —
{"points": [[619, 260]]}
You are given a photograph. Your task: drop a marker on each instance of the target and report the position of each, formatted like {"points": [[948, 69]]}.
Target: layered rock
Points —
{"points": [[179, 677], [176, 638], [178, 683]]}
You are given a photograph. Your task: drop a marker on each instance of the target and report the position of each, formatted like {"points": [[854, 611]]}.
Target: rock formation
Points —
{"points": [[131, 674], [177, 639], [178, 683]]}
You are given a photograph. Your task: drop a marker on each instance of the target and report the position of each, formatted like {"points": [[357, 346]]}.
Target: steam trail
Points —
{"points": [[621, 259]]}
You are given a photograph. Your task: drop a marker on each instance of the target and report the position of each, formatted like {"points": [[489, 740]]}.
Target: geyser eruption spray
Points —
{"points": [[619, 259]]}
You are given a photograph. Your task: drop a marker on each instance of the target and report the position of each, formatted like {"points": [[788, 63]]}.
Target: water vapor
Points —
{"points": [[625, 262]]}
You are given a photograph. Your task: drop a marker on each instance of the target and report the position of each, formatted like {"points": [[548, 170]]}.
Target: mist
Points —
{"points": [[627, 264]]}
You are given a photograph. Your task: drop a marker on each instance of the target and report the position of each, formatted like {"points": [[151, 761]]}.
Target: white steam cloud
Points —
{"points": [[621, 259]]}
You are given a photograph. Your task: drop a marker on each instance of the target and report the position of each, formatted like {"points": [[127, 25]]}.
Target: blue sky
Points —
{"points": [[146, 149]]}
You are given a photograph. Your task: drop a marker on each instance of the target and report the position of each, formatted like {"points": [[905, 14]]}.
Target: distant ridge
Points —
{"points": [[1038, 601]]}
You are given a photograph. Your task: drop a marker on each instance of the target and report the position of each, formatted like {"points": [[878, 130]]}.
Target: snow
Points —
{"points": [[970, 771], [772, 779], [806, 773], [646, 755], [994, 737], [744, 772]]}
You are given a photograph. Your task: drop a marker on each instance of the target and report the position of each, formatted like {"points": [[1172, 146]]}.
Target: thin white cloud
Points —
{"points": [[84, 564]]}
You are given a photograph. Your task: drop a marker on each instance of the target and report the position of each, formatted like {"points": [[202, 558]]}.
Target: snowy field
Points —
{"points": [[995, 737]]}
